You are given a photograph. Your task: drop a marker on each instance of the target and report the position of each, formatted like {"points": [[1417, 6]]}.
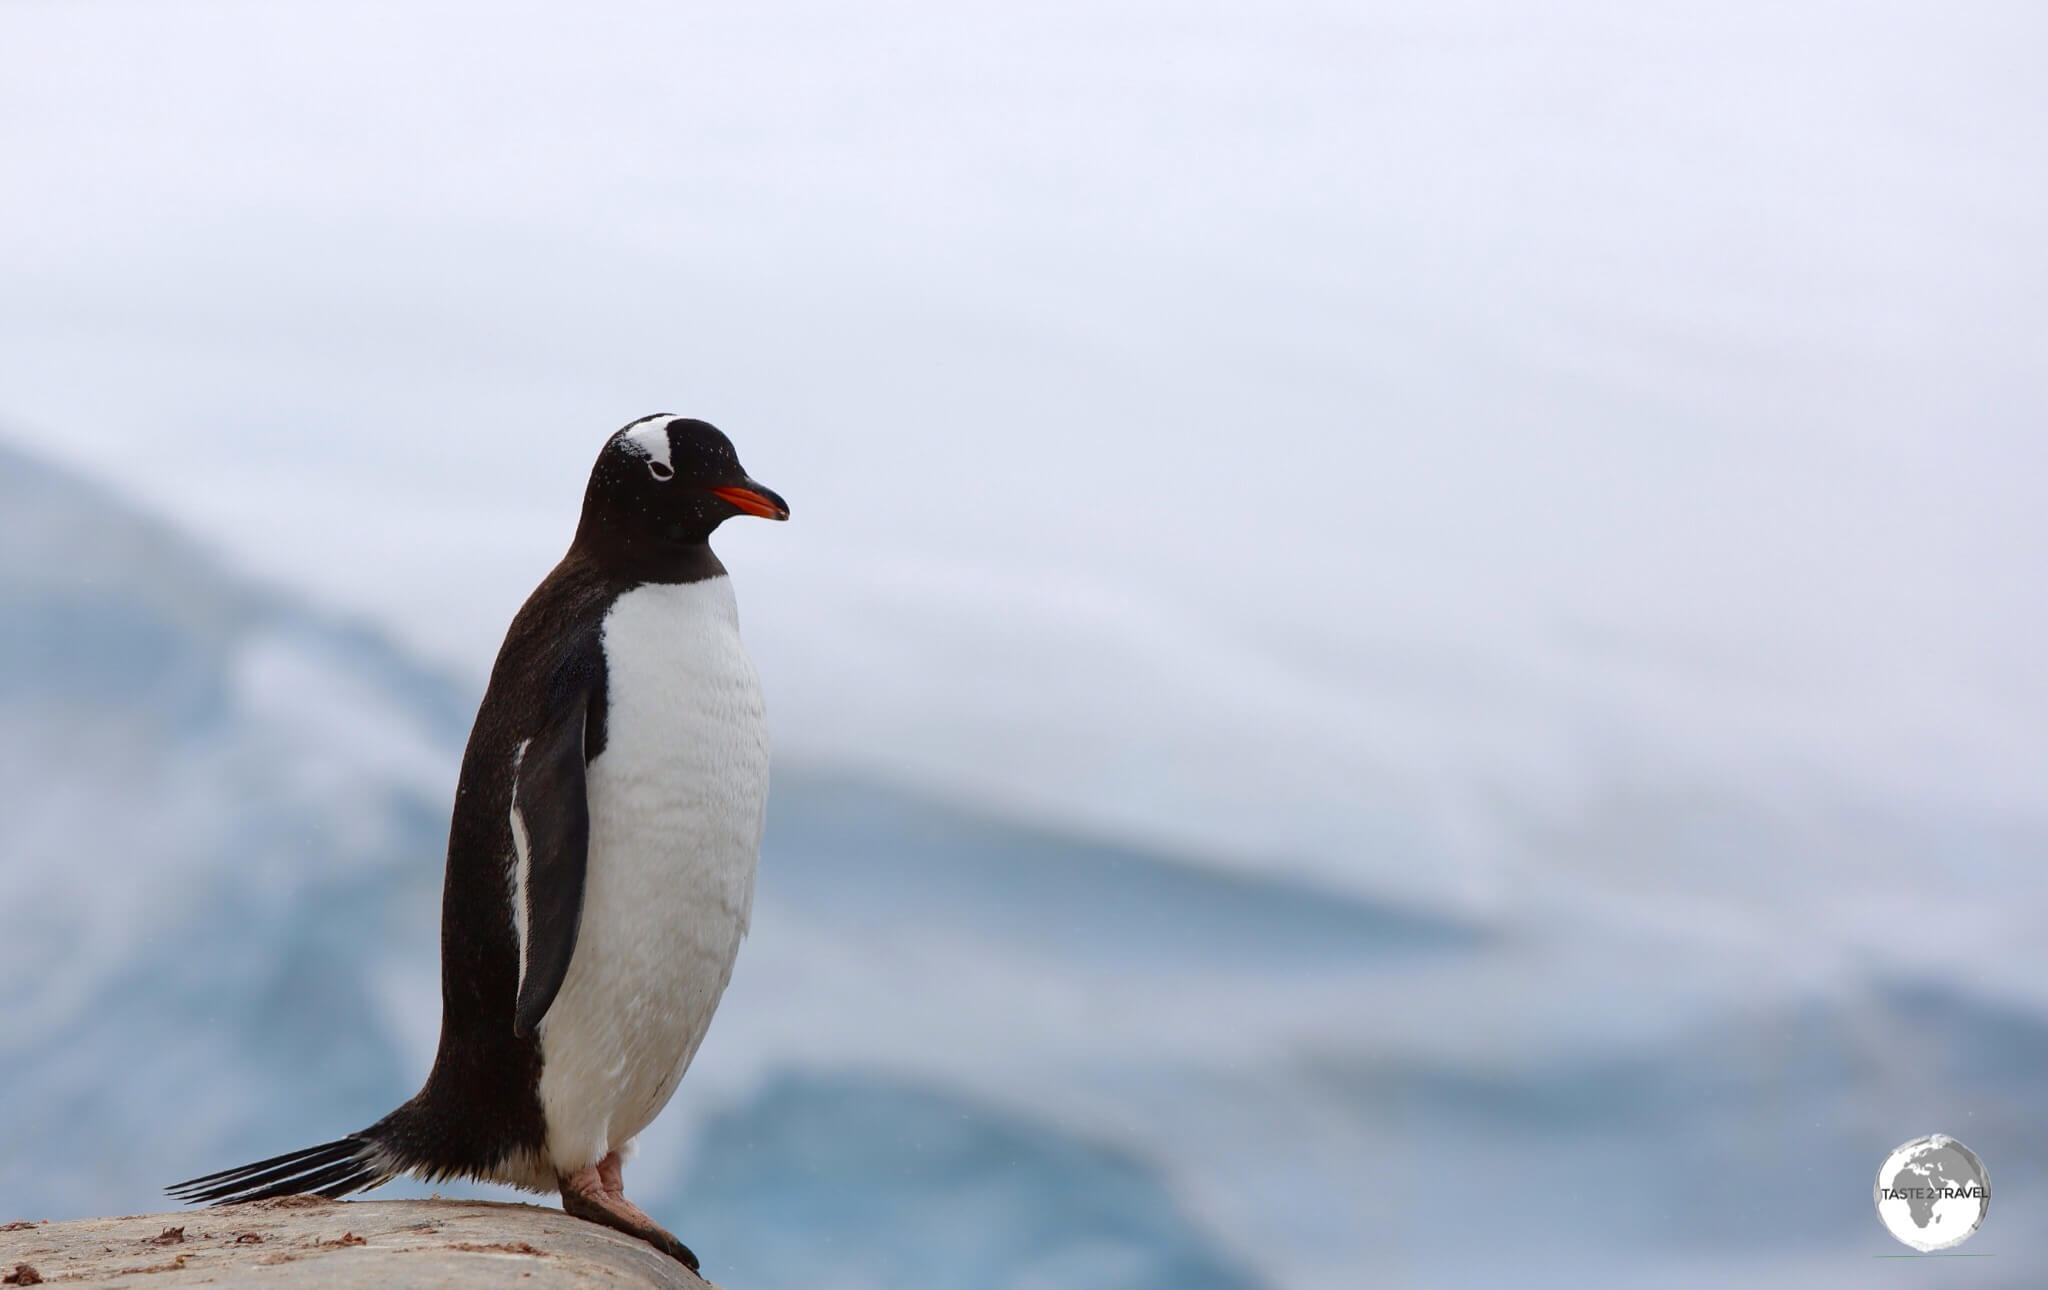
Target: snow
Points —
{"points": [[1675, 991]]}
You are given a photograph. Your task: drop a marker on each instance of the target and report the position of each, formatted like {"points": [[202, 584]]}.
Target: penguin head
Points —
{"points": [[668, 481]]}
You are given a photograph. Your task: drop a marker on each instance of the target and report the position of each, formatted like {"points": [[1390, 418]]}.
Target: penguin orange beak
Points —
{"points": [[752, 499]]}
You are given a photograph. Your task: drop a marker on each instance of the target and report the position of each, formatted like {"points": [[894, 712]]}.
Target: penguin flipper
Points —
{"points": [[551, 836]]}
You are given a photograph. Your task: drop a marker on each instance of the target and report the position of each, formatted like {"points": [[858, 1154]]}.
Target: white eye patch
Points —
{"points": [[650, 437]]}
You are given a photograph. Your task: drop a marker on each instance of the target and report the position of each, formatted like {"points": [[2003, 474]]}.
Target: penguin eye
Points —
{"points": [[660, 471]]}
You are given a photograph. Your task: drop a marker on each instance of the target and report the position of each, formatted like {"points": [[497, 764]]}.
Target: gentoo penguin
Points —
{"points": [[601, 857]]}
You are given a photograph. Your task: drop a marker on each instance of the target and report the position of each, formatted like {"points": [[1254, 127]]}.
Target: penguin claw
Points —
{"points": [[596, 1195], [669, 1245]]}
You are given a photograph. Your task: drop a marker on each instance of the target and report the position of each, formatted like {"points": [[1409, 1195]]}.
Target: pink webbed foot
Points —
{"points": [[597, 1194]]}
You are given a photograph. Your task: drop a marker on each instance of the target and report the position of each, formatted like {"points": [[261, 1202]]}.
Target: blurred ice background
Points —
{"points": [[1409, 653]]}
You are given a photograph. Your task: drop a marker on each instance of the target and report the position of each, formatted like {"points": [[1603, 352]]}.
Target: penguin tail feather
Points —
{"points": [[332, 1169]]}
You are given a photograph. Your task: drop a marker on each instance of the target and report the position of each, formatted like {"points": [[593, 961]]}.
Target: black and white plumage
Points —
{"points": [[600, 859]]}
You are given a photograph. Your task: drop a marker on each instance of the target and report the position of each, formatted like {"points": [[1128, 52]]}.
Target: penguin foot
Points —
{"points": [[597, 1194]]}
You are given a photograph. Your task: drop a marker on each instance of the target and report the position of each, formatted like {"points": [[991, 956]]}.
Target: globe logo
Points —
{"points": [[1932, 1193]]}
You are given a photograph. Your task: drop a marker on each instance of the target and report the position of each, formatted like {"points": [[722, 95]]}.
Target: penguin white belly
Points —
{"points": [[677, 798]]}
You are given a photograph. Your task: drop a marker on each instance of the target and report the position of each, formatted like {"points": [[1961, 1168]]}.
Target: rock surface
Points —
{"points": [[304, 1241]]}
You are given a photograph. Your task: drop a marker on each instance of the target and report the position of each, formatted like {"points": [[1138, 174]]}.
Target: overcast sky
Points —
{"points": [[1257, 426]]}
